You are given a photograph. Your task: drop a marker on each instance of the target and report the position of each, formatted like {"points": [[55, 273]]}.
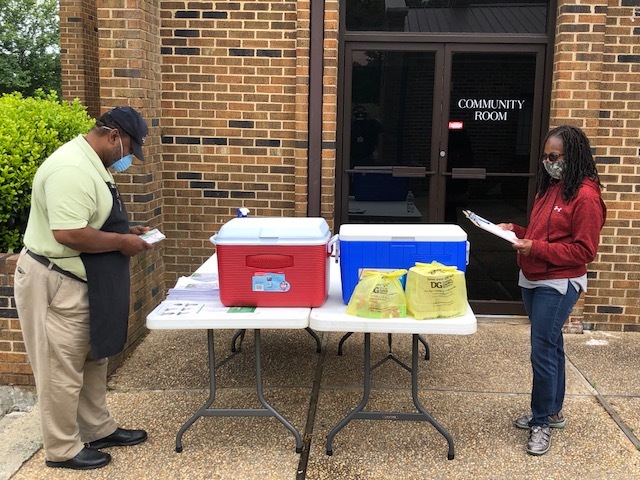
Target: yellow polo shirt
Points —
{"points": [[69, 191]]}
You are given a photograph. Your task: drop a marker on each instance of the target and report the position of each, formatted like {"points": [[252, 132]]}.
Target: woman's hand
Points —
{"points": [[523, 246], [506, 226]]}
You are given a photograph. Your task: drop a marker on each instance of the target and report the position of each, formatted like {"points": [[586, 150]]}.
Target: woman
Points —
{"points": [[562, 237]]}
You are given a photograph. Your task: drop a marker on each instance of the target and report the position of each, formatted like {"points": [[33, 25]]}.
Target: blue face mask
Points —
{"points": [[124, 163]]}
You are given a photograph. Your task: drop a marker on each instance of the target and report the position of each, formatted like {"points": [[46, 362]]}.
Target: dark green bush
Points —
{"points": [[31, 129]]}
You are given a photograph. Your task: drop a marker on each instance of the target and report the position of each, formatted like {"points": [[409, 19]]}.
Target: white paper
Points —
{"points": [[153, 236], [198, 287], [202, 281], [179, 309], [490, 227]]}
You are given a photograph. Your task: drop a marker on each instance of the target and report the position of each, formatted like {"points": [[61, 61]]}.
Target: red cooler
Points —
{"points": [[274, 261]]}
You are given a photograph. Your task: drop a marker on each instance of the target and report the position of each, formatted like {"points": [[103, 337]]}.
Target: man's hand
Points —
{"points": [[139, 229], [91, 240], [132, 244]]}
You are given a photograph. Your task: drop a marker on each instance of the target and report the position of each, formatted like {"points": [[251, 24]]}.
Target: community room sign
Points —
{"points": [[490, 109]]}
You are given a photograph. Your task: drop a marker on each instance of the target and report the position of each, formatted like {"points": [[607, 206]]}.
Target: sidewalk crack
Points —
{"points": [[307, 436], [608, 408]]}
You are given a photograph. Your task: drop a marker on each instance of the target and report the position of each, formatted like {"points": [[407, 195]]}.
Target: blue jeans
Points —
{"points": [[547, 310]]}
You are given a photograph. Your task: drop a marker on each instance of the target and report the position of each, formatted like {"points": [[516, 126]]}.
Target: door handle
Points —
{"points": [[468, 173], [401, 171]]}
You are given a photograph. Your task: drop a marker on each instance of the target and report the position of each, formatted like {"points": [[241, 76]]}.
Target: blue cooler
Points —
{"points": [[391, 246]]}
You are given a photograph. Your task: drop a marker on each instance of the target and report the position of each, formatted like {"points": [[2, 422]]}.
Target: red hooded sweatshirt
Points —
{"points": [[565, 236]]}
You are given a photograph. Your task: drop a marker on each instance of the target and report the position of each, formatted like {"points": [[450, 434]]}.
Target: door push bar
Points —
{"points": [[394, 171], [468, 173]]}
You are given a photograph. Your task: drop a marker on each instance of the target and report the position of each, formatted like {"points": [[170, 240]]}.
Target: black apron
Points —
{"points": [[108, 283]]}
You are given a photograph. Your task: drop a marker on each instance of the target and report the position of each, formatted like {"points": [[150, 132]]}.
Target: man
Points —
{"points": [[366, 138], [72, 288]]}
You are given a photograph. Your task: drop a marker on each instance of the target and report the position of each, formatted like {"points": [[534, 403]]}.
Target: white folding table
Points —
{"points": [[211, 315], [332, 317]]}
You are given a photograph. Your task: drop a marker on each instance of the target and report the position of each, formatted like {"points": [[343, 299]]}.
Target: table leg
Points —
{"points": [[240, 334], [212, 394], [237, 334], [391, 356], [365, 394], [316, 338], [342, 340], [264, 402], [420, 337], [423, 341], [416, 401], [359, 413], [206, 411]]}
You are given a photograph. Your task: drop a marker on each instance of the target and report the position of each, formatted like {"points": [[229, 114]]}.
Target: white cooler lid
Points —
{"points": [[273, 231], [432, 232]]}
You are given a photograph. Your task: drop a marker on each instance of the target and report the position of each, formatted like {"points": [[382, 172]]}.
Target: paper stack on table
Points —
{"points": [[199, 286]]}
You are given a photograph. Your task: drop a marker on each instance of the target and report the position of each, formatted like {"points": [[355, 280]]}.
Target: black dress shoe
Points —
{"points": [[86, 459], [120, 438]]}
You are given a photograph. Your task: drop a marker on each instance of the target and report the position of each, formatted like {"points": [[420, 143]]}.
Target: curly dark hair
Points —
{"points": [[579, 162]]}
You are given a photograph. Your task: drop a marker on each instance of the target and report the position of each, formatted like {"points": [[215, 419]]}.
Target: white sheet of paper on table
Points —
{"points": [[182, 308]]}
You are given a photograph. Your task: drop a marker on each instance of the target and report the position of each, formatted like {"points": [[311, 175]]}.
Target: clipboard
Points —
{"points": [[490, 227]]}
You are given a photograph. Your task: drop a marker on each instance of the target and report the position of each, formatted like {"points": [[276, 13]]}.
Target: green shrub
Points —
{"points": [[31, 129]]}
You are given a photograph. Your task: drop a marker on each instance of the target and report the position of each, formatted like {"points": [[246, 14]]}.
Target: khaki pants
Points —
{"points": [[72, 387]]}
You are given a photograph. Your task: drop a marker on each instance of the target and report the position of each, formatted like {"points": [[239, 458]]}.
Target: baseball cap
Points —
{"points": [[131, 123]]}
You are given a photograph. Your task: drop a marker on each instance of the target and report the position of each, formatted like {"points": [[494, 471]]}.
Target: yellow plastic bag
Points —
{"points": [[378, 295], [435, 291]]}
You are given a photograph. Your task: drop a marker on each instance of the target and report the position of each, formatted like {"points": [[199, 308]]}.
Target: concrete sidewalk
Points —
{"points": [[473, 385]]}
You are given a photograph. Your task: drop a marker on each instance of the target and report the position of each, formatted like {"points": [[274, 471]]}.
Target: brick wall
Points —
{"points": [[14, 365], [234, 117], [596, 86], [79, 53]]}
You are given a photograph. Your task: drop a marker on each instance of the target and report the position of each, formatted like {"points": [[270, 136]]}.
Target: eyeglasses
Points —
{"points": [[111, 129], [552, 157]]}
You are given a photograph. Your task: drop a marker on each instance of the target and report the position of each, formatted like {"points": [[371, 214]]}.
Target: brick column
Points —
{"points": [[577, 78], [79, 53], [129, 50]]}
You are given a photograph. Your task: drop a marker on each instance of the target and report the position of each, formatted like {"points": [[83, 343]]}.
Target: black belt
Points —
{"points": [[52, 266]]}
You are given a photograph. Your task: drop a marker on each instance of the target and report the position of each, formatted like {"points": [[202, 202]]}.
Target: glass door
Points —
{"points": [[388, 144], [439, 128], [493, 104]]}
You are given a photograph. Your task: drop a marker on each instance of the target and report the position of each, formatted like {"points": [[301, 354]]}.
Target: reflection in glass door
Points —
{"points": [[442, 129], [390, 136]]}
